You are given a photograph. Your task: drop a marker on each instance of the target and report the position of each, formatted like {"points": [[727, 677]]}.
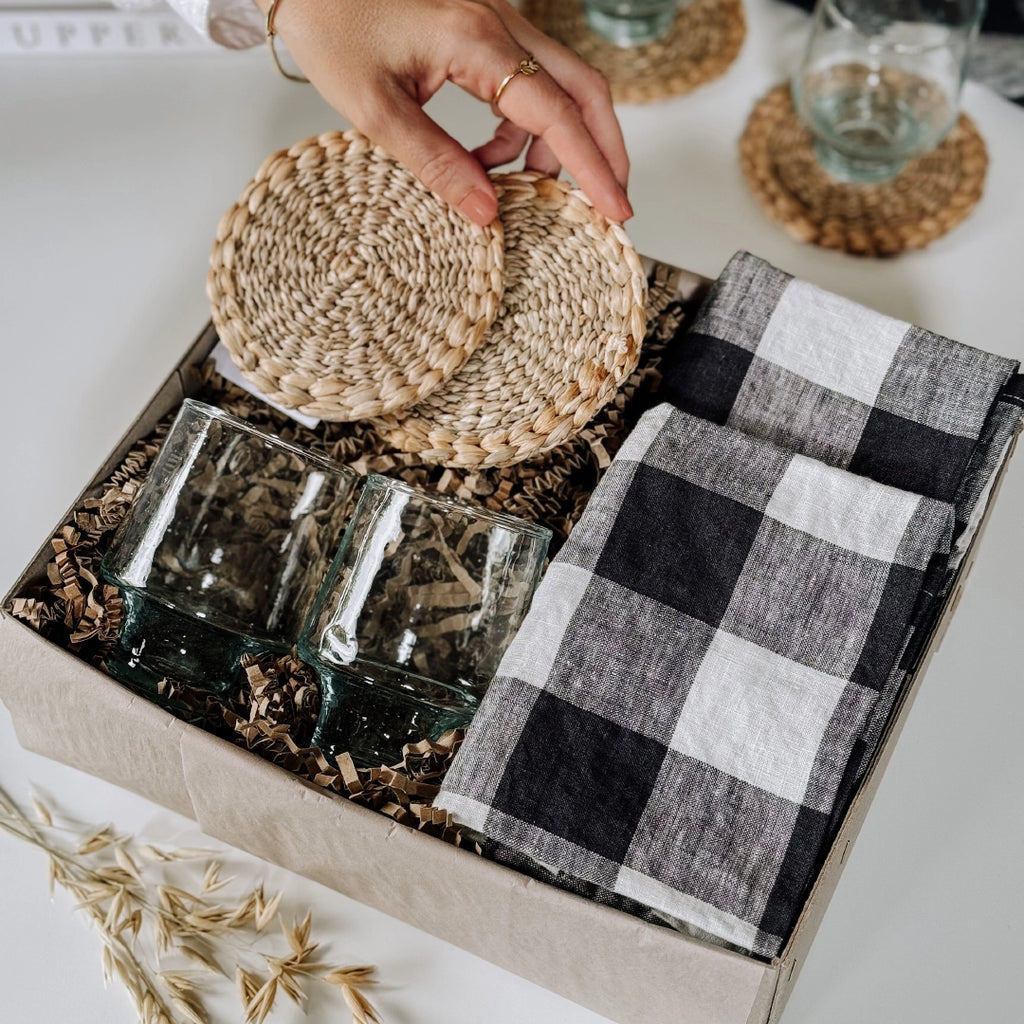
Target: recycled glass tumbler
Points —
{"points": [[631, 22], [880, 81], [424, 596], [222, 552]]}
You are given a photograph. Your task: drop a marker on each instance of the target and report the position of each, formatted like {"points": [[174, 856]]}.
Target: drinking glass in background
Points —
{"points": [[631, 22], [880, 81], [223, 550], [425, 594]]}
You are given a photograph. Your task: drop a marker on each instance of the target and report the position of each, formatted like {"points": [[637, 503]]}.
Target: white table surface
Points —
{"points": [[113, 173]]}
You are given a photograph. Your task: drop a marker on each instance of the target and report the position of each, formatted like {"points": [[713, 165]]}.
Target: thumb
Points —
{"points": [[403, 129]]}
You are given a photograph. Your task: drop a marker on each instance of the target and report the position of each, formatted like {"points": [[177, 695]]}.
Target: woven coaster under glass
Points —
{"points": [[568, 334], [929, 197], [344, 288], [703, 41]]}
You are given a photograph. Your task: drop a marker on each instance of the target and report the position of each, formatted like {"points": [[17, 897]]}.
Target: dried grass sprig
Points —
{"points": [[149, 926]]}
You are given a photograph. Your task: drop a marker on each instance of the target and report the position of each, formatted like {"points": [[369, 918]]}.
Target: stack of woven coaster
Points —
{"points": [[346, 290]]}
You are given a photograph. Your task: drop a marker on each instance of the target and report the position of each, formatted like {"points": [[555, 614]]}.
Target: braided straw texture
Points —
{"points": [[703, 41], [567, 335], [931, 195], [344, 288]]}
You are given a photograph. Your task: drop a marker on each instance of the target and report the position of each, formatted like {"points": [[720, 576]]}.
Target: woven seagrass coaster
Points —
{"points": [[344, 288], [703, 41], [931, 195], [567, 335]]}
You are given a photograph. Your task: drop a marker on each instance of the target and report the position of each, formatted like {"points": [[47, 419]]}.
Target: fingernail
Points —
{"points": [[479, 206]]}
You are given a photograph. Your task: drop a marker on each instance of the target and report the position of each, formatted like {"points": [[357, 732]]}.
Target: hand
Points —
{"points": [[378, 61]]}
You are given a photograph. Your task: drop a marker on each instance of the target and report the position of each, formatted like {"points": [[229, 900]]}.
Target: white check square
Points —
{"points": [[849, 511], [831, 341], [757, 716]]}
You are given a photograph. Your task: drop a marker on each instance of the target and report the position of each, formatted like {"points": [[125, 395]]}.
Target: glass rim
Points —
{"points": [[216, 412], [877, 45], [506, 519]]}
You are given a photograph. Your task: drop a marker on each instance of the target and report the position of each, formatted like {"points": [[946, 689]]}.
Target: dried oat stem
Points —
{"points": [[106, 874]]}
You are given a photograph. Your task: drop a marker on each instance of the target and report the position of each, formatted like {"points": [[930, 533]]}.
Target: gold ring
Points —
{"points": [[528, 66]]}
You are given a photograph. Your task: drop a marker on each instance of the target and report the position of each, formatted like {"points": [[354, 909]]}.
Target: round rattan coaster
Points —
{"points": [[567, 335], [931, 195], [343, 288], [703, 41]]}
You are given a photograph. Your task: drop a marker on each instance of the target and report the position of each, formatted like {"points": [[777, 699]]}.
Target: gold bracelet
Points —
{"points": [[271, 33]]}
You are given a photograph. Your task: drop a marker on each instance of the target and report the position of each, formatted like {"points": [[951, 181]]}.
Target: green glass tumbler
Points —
{"points": [[880, 81], [424, 596], [222, 552]]}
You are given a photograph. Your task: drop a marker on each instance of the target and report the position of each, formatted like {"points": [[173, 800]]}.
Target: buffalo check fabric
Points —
{"points": [[1000, 429], [787, 361], [676, 716]]}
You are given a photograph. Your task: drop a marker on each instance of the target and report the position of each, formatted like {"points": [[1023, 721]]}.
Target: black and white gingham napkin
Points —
{"points": [[785, 360], [675, 718]]}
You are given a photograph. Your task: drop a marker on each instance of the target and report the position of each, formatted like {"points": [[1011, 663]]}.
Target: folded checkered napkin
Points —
{"points": [[785, 360], [675, 717]]}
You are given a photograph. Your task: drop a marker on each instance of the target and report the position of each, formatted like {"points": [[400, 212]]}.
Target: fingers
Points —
{"points": [[402, 128], [508, 142], [539, 105], [544, 110], [539, 157], [587, 87], [378, 62]]}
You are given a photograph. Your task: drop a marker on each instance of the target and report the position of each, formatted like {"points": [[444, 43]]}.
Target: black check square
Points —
{"points": [[704, 374], [689, 553], [912, 456], [597, 775], [883, 645], [800, 865]]}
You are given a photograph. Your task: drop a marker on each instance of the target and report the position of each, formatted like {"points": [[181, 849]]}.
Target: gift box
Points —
{"points": [[616, 964]]}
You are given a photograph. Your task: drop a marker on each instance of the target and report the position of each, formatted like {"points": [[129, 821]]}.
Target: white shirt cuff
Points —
{"points": [[236, 24]]}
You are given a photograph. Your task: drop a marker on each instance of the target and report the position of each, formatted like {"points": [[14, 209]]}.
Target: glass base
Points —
{"points": [[868, 121], [371, 712], [854, 170], [630, 29], [157, 642]]}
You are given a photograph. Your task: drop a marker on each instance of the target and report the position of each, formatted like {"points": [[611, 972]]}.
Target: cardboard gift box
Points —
{"points": [[67, 710]]}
